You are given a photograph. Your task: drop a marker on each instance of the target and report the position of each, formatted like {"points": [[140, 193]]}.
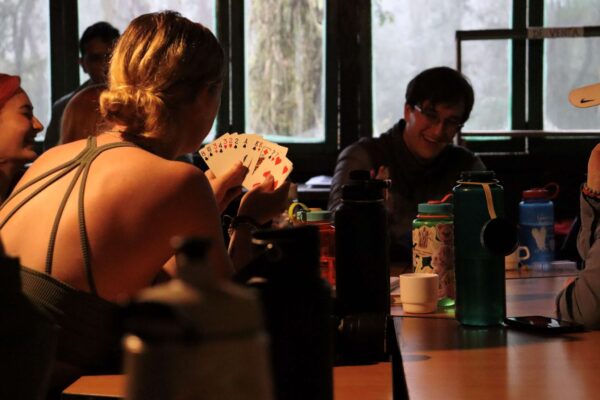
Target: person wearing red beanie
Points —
{"points": [[18, 128]]}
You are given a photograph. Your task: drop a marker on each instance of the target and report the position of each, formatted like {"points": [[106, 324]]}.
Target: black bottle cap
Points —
{"points": [[499, 236], [360, 175], [478, 176], [371, 189]]}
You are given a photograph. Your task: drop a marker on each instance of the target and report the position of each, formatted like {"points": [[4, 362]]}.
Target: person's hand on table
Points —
{"points": [[263, 202], [228, 186]]}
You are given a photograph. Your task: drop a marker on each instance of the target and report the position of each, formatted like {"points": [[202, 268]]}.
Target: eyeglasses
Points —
{"points": [[94, 58], [449, 125]]}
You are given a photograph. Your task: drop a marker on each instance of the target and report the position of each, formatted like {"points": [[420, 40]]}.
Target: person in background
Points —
{"points": [[18, 128], [82, 115], [417, 153], [95, 46], [579, 301], [92, 220]]}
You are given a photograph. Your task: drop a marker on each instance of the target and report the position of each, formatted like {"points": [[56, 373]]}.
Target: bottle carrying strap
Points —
{"points": [[488, 196]]}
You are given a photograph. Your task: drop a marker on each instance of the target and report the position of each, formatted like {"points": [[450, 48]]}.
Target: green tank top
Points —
{"points": [[81, 165]]}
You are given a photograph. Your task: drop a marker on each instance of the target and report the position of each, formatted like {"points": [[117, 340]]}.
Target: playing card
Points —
{"points": [[251, 148], [279, 168], [237, 150], [268, 151], [261, 157], [219, 162]]}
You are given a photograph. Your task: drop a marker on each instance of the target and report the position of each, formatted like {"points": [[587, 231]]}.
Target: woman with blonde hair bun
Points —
{"points": [[92, 220]]}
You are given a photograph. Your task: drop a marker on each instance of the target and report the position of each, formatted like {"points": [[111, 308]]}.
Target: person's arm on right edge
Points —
{"points": [[580, 300]]}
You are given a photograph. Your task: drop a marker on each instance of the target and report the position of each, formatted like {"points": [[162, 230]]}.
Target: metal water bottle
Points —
{"points": [[536, 227], [196, 337], [482, 238], [362, 247]]}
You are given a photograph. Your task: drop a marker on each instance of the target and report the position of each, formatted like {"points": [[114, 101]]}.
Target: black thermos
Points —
{"points": [[362, 248], [297, 305]]}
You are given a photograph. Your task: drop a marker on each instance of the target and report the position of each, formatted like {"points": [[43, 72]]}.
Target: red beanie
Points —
{"points": [[9, 85]]}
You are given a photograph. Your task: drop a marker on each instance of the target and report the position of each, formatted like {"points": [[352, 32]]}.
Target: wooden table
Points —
{"points": [[443, 360]]}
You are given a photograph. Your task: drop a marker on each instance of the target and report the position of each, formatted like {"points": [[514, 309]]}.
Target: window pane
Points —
{"points": [[119, 13], [25, 49], [570, 63], [410, 36], [284, 78], [486, 63]]}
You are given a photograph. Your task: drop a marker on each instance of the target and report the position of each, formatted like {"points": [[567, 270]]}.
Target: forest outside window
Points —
{"points": [[285, 69]]}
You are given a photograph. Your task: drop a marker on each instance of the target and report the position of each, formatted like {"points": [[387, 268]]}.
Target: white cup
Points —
{"points": [[419, 292], [511, 261]]}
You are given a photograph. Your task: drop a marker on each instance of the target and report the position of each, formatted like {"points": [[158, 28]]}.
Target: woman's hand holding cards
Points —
{"points": [[261, 157], [264, 202], [227, 186]]}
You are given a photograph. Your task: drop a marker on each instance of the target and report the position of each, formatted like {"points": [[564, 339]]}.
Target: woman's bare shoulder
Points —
{"points": [[119, 173]]}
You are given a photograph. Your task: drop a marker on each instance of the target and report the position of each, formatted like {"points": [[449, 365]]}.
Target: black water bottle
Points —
{"points": [[362, 248], [297, 305]]}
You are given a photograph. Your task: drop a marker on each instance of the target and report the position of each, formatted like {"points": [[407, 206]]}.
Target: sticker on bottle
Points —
{"points": [[433, 252]]}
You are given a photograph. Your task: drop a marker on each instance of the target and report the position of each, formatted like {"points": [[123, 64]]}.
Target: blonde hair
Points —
{"points": [[160, 62]]}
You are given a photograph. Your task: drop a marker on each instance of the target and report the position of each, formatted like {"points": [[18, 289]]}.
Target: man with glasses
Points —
{"points": [[95, 46], [417, 153]]}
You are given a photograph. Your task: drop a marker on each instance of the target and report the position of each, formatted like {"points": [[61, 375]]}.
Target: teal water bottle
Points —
{"points": [[482, 239]]}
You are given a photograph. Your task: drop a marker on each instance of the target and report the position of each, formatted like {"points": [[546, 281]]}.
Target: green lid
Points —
{"points": [[318, 215], [435, 208]]}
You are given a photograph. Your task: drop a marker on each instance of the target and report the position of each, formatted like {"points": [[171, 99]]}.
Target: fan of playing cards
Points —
{"points": [[261, 157]]}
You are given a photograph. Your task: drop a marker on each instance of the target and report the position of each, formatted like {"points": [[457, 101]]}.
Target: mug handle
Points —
{"points": [[526, 253], [553, 189]]}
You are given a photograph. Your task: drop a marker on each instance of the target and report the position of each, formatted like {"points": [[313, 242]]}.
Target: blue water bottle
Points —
{"points": [[536, 226]]}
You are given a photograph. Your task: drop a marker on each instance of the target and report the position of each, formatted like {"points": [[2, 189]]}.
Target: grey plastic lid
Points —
{"points": [[318, 215], [435, 208]]}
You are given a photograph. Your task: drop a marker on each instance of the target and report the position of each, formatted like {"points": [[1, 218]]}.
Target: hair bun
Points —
{"points": [[139, 109]]}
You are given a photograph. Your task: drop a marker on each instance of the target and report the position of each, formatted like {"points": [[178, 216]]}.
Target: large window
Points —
{"points": [[410, 36], [570, 63], [24, 49], [284, 69]]}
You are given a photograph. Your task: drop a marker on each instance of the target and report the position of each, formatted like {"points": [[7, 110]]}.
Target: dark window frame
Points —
{"points": [[348, 78], [527, 102], [348, 97]]}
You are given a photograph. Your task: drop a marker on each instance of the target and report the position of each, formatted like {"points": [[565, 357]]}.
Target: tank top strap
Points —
{"points": [[80, 164]]}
